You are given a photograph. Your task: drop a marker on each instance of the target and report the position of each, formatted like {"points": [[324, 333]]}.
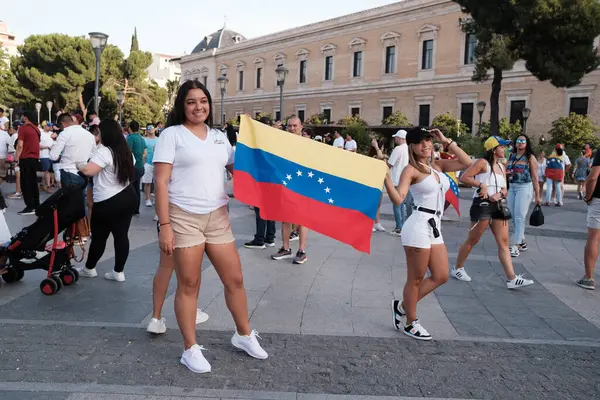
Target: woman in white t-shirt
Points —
{"points": [[191, 204], [114, 199]]}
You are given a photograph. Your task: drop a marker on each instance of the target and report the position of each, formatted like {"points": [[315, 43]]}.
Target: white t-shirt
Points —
{"points": [[106, 183], [3, 121], [11, 143], [351, 145], [196, 184], [566, 159], [398, 160], [5, 143], [74, 146], [47, 141], [339, 142]]}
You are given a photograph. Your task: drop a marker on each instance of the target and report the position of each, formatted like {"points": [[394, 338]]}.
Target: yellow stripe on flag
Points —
{"points": [[311, 154]]}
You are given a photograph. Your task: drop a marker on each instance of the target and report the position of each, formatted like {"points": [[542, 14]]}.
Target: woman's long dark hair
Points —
{"points": [[231, 135], [112, 137], [528, 149], [177, 114]]}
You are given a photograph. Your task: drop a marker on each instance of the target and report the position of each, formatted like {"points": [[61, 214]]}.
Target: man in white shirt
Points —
{"points": [[350, 144], [339, 140], [397, 162], [73, 146]]}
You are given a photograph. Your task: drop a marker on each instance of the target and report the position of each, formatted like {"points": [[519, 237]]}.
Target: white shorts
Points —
{"points": [[593, 214], [56, 169], [148, 176], [416, 231]]}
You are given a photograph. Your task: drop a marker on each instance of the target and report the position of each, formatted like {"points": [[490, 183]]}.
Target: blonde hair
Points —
{"points": [[415, 164]]}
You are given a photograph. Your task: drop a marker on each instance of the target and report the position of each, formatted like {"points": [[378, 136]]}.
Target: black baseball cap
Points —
{"points": [[416, 135]]}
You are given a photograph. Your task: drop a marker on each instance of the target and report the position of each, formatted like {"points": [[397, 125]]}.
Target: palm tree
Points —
{"points": [[172, 87]]}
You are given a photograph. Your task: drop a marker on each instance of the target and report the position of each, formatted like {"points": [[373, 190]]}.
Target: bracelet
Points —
{"points": [[166, 223]]}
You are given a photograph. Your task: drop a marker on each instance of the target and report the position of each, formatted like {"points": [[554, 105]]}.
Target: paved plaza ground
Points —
{"points": [[327, 324]]}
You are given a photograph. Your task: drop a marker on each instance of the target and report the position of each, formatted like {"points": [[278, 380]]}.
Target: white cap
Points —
{"points": [[401, 134], [319, 138]]}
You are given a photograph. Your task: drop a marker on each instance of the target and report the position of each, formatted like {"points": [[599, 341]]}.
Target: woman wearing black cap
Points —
{"points": [[421, 234]]}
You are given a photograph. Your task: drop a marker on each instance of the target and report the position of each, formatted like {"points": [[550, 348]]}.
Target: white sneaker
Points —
{"points": [[518, 282], [155, 218], [416, 331], [149, 203], [88, 273], [157, 326], [201, 316], [194, 360], [249, 344], [460, 274], [514, 251], [378, 227], [115, 276]]}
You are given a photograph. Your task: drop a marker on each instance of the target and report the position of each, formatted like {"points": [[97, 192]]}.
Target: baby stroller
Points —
{"points": [[30, 250]]}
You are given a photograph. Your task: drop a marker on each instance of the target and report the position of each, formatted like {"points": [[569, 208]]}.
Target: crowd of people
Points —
{"points": [[118, 166]]}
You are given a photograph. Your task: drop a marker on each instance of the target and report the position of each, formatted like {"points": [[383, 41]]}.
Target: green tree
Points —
{"points": [[11, 93], [360, 134], [397, 119], [575, 131], [505, 129], [263, 115], [316, 119], [172, 87], [554, 37], [451, 126], [352, 120], [135, 46]]}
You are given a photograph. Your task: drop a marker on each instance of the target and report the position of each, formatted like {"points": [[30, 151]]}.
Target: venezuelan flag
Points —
{"points": [[452, 195], [301, 181]]}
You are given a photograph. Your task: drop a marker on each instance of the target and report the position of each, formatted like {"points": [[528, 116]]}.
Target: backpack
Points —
{"points": [[555, 168]]}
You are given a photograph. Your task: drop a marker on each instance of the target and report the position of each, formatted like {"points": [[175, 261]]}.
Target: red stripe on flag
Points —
{"points": [[277, 203]]}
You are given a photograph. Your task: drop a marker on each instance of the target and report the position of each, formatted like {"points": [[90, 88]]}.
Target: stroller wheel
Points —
{"points": [[12, 275], [49, 287], [68, 277], [58, 281], [75, 274], [21, 274]]}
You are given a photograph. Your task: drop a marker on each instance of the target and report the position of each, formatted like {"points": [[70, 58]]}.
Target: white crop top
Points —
{"points": [[494, 182]]}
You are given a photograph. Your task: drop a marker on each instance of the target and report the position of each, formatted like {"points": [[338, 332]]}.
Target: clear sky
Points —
{"points": [[171, 27]]}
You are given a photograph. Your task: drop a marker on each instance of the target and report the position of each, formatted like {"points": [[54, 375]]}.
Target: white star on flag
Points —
{"points": [[320, 180], [299, 173], [327, 190], [310, 174], [288, 177], [284, 183], [331, 201]]}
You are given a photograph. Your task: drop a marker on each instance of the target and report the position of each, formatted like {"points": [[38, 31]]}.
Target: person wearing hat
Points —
{"points": [[422, 238], [489, 209], [397, 162], [556, 168]]}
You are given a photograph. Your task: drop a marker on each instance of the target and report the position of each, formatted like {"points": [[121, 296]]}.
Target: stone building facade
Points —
{"points": [[410, 56]]}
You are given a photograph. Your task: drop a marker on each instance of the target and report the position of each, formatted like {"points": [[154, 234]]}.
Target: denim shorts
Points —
{"points": [[482, 210], [45, 164]]}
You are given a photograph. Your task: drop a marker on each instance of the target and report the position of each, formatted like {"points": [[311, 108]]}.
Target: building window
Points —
{"points": [[466, 114], [205, 81], [427, 59], [279, 64], [470, 45], [424, 111], [301, 115], [327, 114], [579, 105], [329, 68], [277, 115], [240, 80], [516, 111], [355, 111], [357, 64], [258, 77], [387, 111], [302, 77], [390, 60]]}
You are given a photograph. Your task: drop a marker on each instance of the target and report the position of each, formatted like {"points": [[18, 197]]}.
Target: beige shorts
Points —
{"points": [[195, 229], [593, 214]]}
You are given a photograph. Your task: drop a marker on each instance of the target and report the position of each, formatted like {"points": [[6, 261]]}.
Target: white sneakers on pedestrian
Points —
{"points": [[115, 276], [249, 344], [159, 326], [149, 203], [378, 228], [194, 360], [88, 273], [514, 251], [518, 282], [460, 274]]}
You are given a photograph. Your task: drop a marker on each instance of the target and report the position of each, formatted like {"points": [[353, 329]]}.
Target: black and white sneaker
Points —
{"points": [[282, 254], [300, 258], [27, 211], [270, 244], [416, 331], [460, 274], [518, 282], [294, 236], [523, 247], [398, 313], [254, 245]]}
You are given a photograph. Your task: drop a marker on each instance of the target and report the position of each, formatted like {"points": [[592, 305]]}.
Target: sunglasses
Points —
{"points": [[521, 141], [432, 224]]}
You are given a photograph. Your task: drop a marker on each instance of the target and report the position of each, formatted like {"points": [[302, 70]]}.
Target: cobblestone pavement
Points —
{"points": [[326, 324]]}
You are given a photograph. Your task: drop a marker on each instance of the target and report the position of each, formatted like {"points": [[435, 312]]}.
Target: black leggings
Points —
{"points": [[112, 216]]}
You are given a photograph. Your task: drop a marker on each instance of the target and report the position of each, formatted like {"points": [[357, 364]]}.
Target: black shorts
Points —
{"points": [[482, 210]]}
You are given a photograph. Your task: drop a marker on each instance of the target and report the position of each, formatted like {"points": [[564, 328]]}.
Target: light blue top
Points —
{"points": [[150, 143]]}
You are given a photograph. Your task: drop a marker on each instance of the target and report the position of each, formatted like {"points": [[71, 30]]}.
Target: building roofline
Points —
{"points": [[316, 27]]}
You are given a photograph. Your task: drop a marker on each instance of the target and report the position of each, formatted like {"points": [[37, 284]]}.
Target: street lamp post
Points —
{"points": [[223, 85], [480, 109], [10, 114], [38, 107], [98, 41], [49, 106], [281, 75], [120, 99], [526, 114]]}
